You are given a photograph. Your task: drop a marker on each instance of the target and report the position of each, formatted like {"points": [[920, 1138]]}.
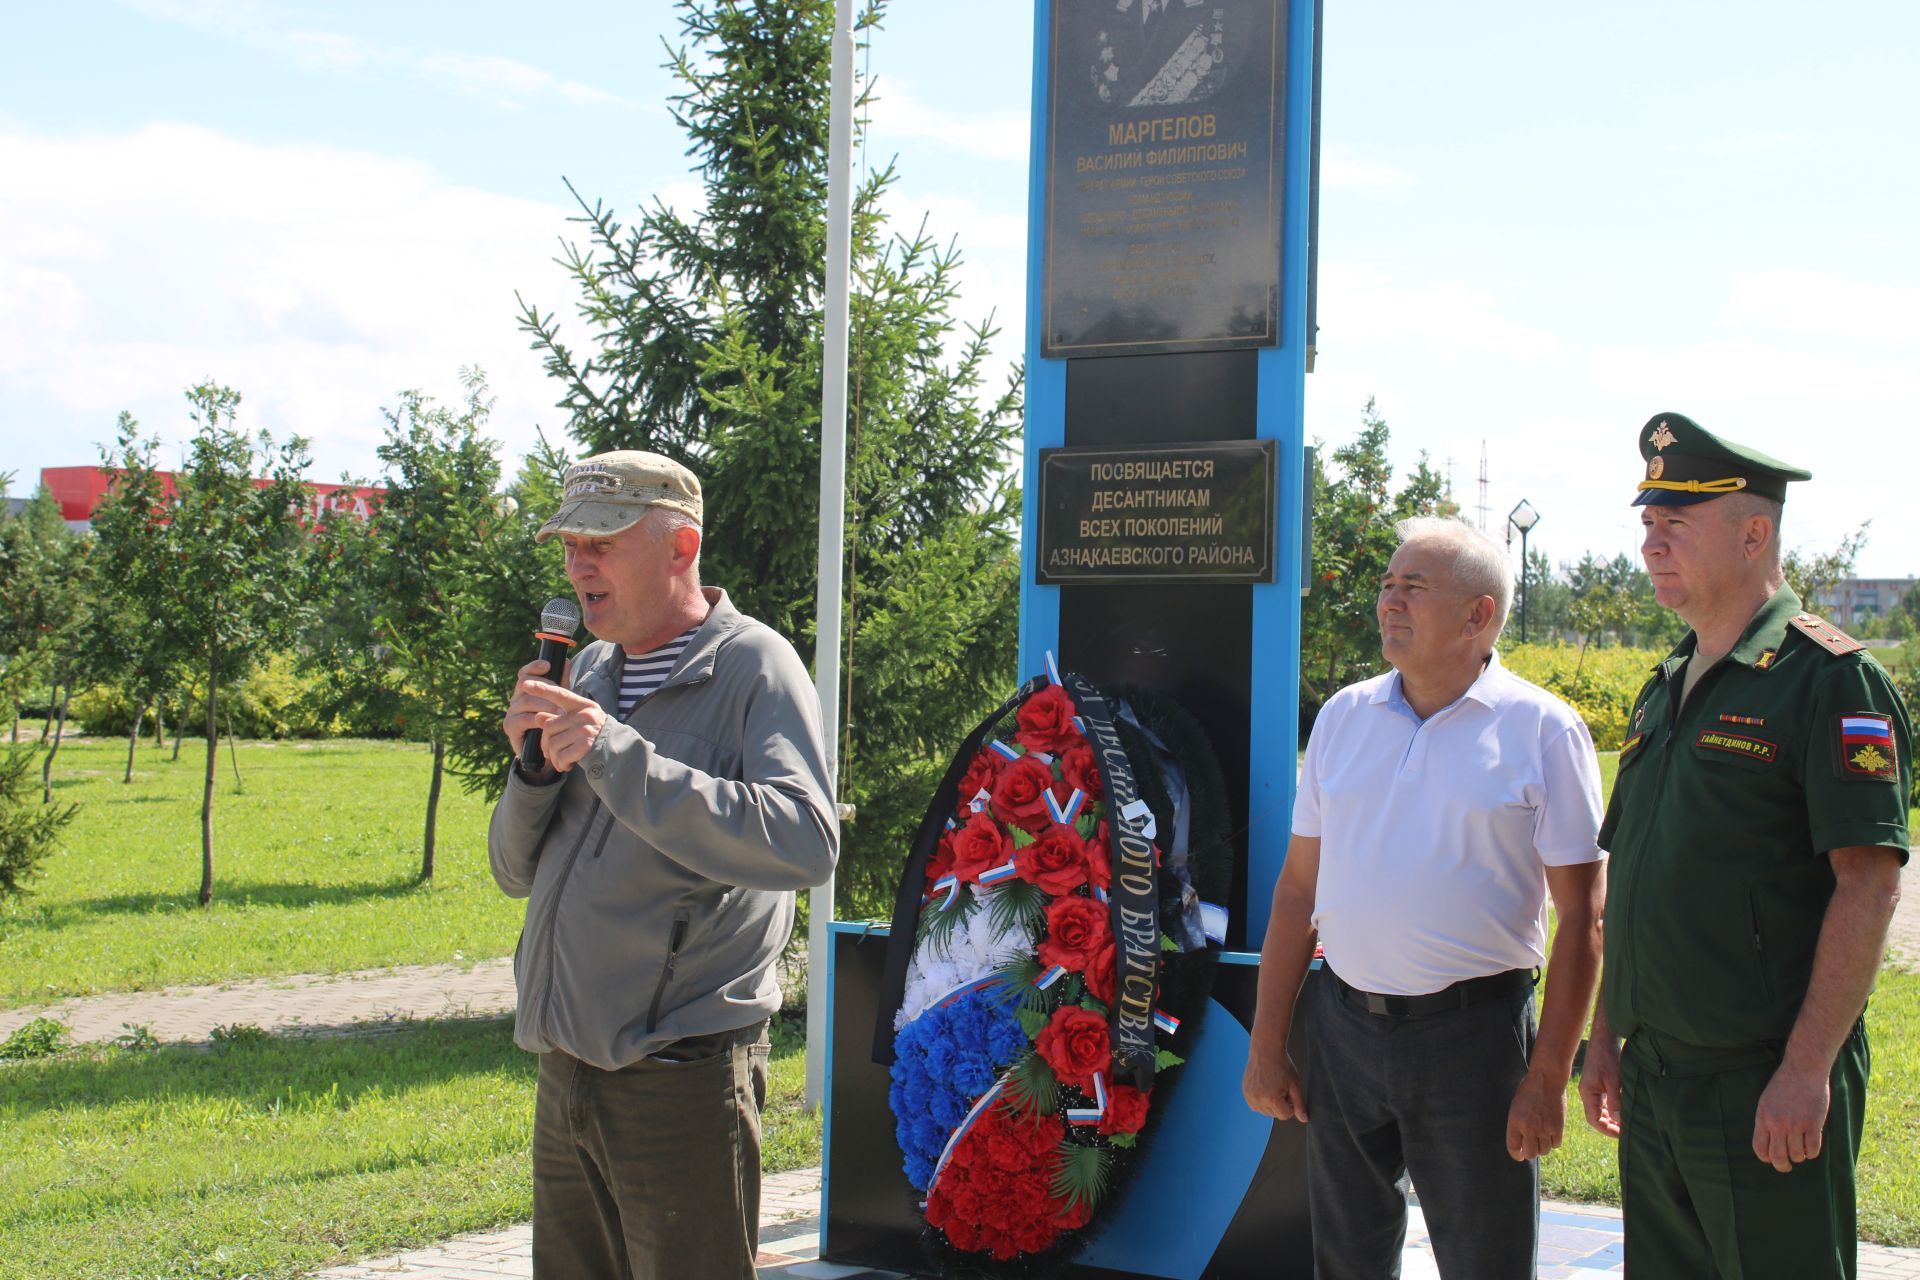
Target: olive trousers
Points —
{"points": [[1697, 1203], [651, 1172]]}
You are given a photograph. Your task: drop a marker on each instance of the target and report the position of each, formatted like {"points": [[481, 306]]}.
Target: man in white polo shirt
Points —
{"points": [[1439, 806]]}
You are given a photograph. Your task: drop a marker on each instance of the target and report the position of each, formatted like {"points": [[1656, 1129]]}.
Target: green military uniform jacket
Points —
{"points": [[1793, 745]]}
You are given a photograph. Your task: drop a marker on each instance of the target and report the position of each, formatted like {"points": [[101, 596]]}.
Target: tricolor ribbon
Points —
{"points": [[980, 800], [1050, 977], [1004, 871], [946, 1153], [1101, 894], [1006, 749], [949, 885], [1053, 668], [965, 988], [1081, 725], [1100, 1090], [1084, 1115], [1064, 812], [1166, 1021]]}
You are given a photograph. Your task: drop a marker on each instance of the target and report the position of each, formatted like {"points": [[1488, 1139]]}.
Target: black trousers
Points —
{"points": [[651, 1172], [1428, 1097]]}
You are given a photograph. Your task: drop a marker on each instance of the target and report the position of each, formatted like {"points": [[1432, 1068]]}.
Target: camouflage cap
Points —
{"points": [[610, 492], [1686, 463]]}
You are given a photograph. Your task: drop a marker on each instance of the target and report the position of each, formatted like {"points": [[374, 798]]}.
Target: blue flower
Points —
{"points": [[943, 1061]]}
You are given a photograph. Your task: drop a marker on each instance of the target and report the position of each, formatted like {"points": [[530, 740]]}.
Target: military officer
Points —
{"points": [[1757, 832]]}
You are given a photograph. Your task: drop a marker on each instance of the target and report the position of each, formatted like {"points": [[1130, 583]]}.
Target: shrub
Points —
{"points": [[41, 1038], [1601, 686]]}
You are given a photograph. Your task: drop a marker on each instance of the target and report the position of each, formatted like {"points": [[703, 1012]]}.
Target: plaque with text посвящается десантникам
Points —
{"points": [[1169, 513], [1163, 186]]}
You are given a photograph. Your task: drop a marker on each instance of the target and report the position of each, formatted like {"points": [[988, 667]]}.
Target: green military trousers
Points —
{"points": [[1697, 1203]]}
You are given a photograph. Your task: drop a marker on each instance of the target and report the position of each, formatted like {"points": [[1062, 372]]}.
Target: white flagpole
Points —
{"points": [[833, 508]]}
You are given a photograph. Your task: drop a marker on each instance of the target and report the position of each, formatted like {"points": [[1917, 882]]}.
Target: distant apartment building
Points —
{"points": [[1851, 599]]}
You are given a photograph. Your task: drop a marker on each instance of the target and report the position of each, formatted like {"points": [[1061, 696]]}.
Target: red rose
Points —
{"points": [[1076, 765], [1100, 858], [986, 766], [979, 846], [1126, 1110], [1100, 974], [1074, 1043], [1057, 861], [1046, 721], [1077, 928], [942, 860], [1019, 794]]}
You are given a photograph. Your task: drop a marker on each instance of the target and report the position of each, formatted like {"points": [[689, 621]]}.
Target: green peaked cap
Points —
{"points": [[1686, 463]]}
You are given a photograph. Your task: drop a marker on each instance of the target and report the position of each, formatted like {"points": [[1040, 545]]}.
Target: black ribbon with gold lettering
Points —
{"points": [[1133, 898]]}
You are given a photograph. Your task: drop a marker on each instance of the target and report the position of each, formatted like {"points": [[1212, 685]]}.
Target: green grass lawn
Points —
{"points": [[1586, 1168], [315, 868], [272, 1158]]}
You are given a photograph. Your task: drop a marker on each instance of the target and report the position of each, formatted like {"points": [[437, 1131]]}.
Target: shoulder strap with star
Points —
{"points": [[1826, 635]]}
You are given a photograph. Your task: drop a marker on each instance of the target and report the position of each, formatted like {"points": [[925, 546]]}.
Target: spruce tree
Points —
{"points": [[703, 337]]}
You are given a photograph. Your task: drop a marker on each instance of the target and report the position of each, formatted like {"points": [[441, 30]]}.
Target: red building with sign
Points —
{"points": [[81, 490]]}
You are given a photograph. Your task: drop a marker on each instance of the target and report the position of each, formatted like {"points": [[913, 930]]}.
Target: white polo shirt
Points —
{"points": [[1435, 835]]}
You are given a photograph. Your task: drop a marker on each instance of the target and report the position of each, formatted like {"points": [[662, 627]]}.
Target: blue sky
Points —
{"points": [[1541, 223]]}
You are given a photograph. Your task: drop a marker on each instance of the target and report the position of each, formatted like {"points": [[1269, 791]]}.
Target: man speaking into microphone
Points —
{"points": [[682, 799]]}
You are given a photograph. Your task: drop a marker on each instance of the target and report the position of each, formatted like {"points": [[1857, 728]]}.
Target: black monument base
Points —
{"points": [[1220, 1192]]}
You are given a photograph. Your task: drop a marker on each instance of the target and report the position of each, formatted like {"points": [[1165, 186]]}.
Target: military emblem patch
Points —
{"points": [[1656, 467], [1661, 437], [1866, 746]]}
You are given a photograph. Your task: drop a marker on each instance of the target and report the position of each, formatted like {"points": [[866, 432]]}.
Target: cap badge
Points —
{"points": [[584, 480], [1656, 467], [1661, 437]]}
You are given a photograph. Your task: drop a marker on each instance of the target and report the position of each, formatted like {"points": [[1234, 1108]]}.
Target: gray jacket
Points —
{"points": [[661, 868]]}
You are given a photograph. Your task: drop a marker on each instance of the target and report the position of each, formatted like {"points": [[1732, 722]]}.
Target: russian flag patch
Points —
{"points": [[1867, 747]]}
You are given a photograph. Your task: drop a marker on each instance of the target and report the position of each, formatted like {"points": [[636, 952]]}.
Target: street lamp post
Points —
{"points": [[1523, 517]]}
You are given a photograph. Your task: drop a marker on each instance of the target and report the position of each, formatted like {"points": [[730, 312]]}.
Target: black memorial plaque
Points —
{"points": [[1163, 182], [1166, 513]]}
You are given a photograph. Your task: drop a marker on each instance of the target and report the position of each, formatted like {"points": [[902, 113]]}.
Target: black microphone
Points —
{"points": [[558, 621]]}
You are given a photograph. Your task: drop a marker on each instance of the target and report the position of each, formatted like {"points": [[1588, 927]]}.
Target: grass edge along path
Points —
{"points": [[269, 1157], [316, 865]]}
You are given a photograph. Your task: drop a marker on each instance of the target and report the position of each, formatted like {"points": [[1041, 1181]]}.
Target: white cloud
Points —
{"points": [[1813, 302], [1452, 367], [897, 112], [504, 81], [1341, 168], [318, 281]]}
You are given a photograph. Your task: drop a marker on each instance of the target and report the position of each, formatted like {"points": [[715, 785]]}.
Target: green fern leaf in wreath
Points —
{"points": [[1015, 981], [1022, 838], [937, 926], [1089, 822], [1018, 903], [1080, 1177], [1164, 1058], [1123, 1139], [1031, 1085], [1168, 944]]}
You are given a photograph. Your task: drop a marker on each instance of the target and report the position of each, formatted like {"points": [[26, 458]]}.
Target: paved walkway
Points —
{"points": [[312, 1003], [1577, 1242]]}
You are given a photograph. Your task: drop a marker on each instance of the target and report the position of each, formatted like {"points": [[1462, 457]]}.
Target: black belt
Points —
{"points": [[1468, 991]]}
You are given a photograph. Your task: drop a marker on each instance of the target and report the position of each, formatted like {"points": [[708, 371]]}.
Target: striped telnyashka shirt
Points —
{"points": [[646, 672]]}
